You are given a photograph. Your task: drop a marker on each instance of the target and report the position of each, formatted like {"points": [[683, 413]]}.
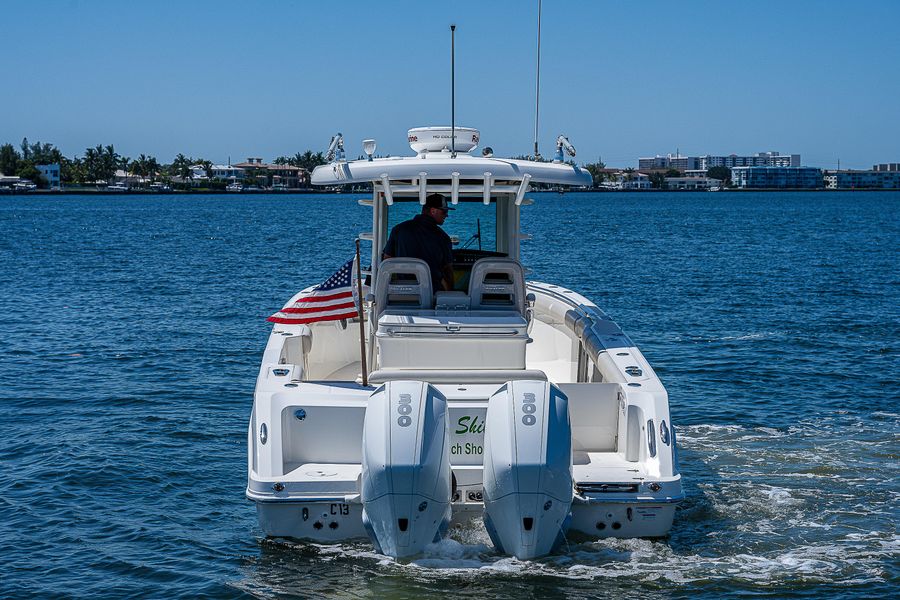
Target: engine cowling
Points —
{"points": [[406, 481], [527, 468]]}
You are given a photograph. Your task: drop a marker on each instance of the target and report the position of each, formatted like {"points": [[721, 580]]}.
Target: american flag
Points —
{"points": [[332, 300]]}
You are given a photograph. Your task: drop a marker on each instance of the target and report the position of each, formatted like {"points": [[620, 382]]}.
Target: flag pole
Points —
{"points": [[362, 325]]}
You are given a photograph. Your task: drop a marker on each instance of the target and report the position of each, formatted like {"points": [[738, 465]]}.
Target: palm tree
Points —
{"points": [[308, 160], [91, 164], [152, 167], [74, 170], [110, 161], [139, 166], [181, 166], [123, 162], [207, 167]]}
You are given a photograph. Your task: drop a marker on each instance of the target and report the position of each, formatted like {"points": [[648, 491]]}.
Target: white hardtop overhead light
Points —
{"points": [[369, 148], [437, 139]]}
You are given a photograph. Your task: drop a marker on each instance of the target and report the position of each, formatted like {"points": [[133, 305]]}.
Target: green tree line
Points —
{"points": [[100, 163], [306, 160]]}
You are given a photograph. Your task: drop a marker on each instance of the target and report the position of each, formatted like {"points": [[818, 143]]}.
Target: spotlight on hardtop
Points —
{"points": [[369, 148]]}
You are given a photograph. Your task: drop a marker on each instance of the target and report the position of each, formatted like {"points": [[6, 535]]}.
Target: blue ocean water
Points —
{"points": [[131, 330]]}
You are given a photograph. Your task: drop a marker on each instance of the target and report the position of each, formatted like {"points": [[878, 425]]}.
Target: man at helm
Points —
{"points": [[422, 237]]}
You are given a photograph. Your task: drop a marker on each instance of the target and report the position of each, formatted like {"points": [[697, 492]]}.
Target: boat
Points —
{"points": [[234, 186], [513, 402], [117, 187]]}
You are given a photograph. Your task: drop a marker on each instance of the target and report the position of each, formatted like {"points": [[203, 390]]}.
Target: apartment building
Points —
{"points": [[874, 179], [51, 174], [706, 162], [777, 177]]}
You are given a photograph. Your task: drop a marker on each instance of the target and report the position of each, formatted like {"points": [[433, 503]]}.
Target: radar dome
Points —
{"points": [[437, 139]]}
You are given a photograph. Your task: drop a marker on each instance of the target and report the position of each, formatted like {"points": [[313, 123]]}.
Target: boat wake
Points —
{"points": [[773, 508]]}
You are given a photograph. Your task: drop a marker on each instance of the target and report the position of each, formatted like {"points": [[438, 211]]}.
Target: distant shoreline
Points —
{"points": [[204, 192], [307, 192]]}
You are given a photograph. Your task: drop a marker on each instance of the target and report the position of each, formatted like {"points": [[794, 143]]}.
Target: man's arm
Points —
{"points": [[447, 277], [390, 247]]}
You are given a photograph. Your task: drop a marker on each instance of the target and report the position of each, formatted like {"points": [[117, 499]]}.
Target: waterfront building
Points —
{"points": [[874, 179], [760, 159], [886, 167], [198, 173], [706, 162], [271, 175], [228, 172], [777, 177], [669, 161], [129, 179], [692, 183], [654, 162], [51, 174], [627, 181]]}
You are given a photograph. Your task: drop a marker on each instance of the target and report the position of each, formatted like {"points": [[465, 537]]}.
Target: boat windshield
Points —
{"points": [[472, 226]]}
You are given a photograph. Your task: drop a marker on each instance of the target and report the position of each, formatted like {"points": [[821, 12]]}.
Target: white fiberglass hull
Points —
{"points": [[305, 435], [333, 522]]}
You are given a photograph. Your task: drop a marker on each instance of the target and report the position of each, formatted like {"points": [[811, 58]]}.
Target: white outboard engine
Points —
{"points": [[527, 468], [406, 467]]}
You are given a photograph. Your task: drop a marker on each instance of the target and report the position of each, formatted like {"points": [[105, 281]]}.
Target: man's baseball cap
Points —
{"points": [[437, 201]]}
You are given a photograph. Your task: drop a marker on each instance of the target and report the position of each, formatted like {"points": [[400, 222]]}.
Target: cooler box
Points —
{"points": [[491, 340]]}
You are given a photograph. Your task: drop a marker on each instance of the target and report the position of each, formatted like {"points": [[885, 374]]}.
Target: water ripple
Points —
{"points": [[133, 328]]}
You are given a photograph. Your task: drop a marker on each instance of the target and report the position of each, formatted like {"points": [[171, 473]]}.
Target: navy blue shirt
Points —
{"points": [[421, 237]]}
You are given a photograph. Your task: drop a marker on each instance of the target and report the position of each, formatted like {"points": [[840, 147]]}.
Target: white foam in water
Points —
{"points": [[450, 554], [774, 508], [748, 336], [779, 495]]}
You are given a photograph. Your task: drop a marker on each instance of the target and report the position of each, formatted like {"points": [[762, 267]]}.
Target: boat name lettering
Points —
{"points": [[528, 407], [468, 448], [468, 424]]}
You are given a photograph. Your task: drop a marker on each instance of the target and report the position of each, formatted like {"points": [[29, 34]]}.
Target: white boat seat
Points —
{"points": [[497, 284], [403, 284]]}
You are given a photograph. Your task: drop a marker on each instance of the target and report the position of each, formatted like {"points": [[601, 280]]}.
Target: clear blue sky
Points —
{"points": [[621, 79]]}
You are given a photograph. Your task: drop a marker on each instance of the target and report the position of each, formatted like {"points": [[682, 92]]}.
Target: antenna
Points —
{"points": [[453, 91], [537, 91]]}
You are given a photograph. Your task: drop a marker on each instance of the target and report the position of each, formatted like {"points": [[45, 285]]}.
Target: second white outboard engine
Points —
{"points": [[405, 467], [527, 468]]}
